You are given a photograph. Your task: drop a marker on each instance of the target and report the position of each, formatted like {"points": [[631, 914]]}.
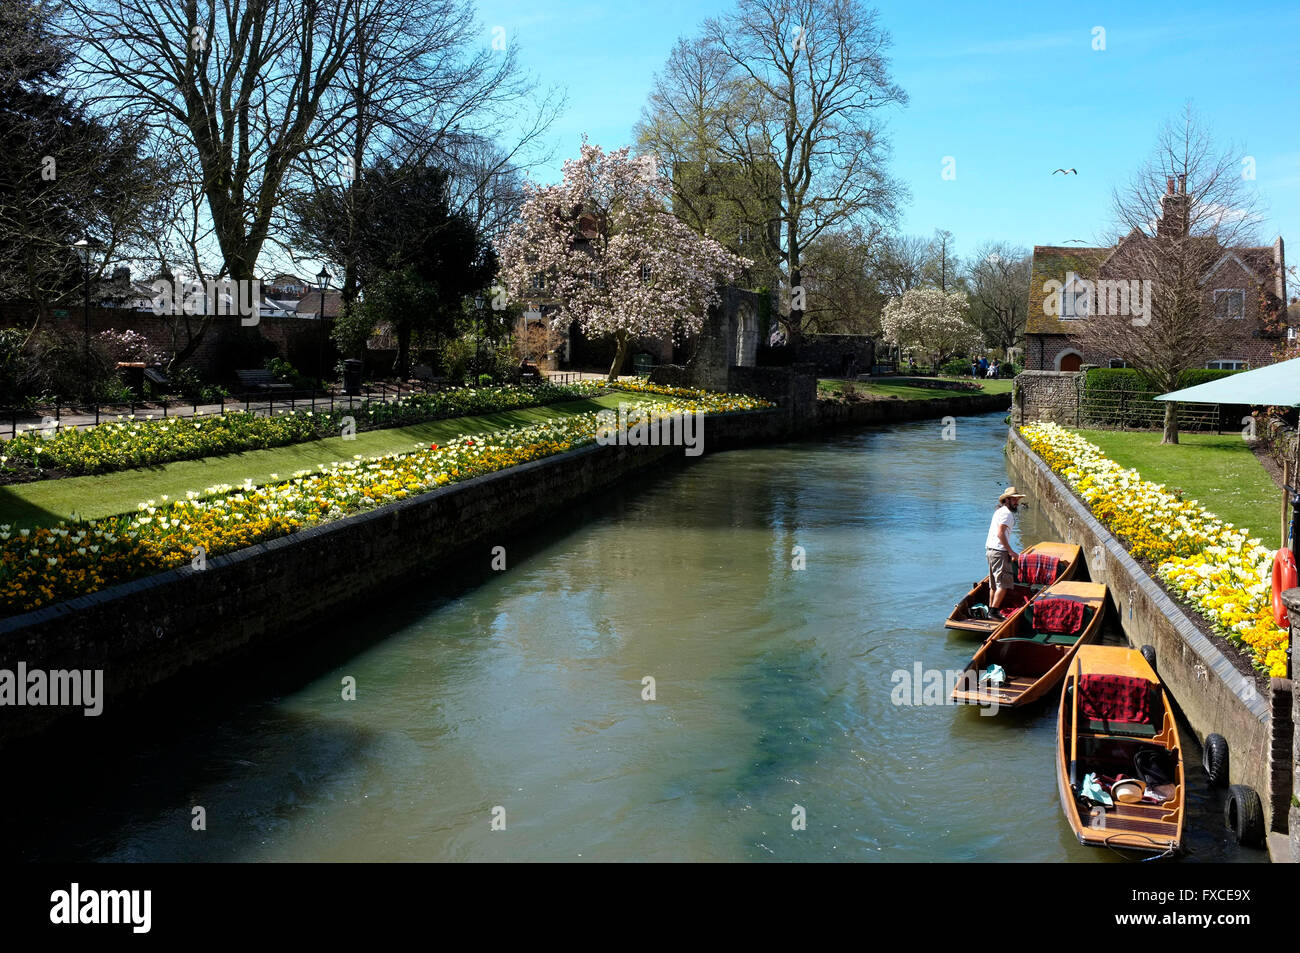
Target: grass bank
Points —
{"points": [[1218, 470], [92, 497], [885, 388]]}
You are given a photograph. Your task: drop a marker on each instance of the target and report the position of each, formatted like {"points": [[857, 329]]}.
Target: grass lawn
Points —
{"points": [[885, 388], [1218, 471], [92, 497]]}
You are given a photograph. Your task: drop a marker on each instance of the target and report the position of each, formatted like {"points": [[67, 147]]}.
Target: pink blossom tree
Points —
{"points": [[604, 248]]}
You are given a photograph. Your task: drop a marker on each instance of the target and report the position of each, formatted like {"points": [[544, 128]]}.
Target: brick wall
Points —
{"points": [[1047, 395], [838, 355]]}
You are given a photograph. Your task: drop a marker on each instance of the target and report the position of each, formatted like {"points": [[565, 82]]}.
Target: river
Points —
{"points": [[518, 696]]}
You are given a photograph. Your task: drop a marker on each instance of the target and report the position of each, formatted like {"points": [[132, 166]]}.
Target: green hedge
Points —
{"points": [[1122, 397]]}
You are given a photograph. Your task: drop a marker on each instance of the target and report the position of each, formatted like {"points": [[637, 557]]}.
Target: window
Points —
{"points": [[539, 282], [1075, 301], [1227, 365], [1116, 362], [1229, 303]]}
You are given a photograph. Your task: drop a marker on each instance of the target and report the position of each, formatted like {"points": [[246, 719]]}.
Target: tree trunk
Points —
{"points": [[1171, 422], [624, 345], [403, 351]]}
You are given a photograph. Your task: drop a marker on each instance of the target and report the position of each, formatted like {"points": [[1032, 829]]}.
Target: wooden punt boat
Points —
{"points": [[960, 618], [1034, 646], [1108, 747]]}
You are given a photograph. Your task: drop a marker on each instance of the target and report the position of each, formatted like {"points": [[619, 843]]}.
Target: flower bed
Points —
{"points": [[1217, 569], [137, 442], [41, 566]]}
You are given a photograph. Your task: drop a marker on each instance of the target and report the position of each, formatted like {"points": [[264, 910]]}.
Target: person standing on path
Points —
{"points": [[997, 548]]}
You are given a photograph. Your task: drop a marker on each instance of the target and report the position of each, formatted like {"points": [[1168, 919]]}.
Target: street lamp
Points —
{"points": [[323, 283], [82, 248]]}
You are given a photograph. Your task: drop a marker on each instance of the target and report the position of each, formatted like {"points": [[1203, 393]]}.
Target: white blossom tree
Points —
{"points": [[931, 321], [604, 247]]}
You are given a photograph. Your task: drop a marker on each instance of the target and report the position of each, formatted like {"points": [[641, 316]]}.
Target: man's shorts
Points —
{"points": [[1002, 570]]}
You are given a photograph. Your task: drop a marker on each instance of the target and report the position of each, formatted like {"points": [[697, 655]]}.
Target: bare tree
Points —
{"points": [[1193, 193], [788, 92], [844, 296], [998, 278], [943, 267], [251, 87], [416, 88], [900, 263]]}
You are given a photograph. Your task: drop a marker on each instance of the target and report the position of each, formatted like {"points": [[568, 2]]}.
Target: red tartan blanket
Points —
{"points": [[1037, 569], [1058, 615], [1119, 698]]}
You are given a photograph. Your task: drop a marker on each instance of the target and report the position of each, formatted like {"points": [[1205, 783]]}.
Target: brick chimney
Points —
{"points": [[1173, 209]]}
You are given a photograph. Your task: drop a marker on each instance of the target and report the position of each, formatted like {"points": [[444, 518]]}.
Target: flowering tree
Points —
{"points": [[605, 249], [932, 320]]}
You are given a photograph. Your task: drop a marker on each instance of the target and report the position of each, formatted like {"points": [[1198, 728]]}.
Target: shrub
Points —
{"points": [[16, 371], [1122, 396], [956, 368]]}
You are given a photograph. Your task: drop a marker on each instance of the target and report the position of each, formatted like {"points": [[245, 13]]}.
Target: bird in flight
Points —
{"points": [[1079, 240], [1066, 171]]}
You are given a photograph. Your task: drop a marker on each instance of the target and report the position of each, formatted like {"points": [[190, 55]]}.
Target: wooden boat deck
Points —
{"points": [[1143, 826]]}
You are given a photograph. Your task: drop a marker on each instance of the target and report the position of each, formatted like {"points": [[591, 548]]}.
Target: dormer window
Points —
{"points": [[1229, 303], [1076, 300]]}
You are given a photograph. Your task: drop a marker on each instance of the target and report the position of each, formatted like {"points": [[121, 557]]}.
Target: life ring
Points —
{"points": [[1284, 578]]}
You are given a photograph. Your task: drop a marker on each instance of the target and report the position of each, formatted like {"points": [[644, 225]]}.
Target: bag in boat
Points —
{"points": [[1155, 766]]}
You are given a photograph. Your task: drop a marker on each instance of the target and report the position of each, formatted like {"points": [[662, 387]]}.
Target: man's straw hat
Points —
{"points": [[1008, 493]]}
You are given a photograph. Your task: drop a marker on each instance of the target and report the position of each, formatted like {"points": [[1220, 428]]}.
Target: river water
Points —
{"points": [[518, 695]]}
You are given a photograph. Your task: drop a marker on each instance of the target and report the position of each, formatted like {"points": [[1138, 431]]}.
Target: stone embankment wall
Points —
{"points": [[1047, 395]]}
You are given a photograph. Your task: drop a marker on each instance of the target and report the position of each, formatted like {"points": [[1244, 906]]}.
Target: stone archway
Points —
{"points": [[746, 336], [1069, 361]]}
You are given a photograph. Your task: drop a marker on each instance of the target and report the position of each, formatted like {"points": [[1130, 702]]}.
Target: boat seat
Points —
{"points": [[1121, 728]]}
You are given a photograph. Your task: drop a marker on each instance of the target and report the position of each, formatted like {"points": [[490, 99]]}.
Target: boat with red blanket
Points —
{"points": [[1027, 655], [1119, 764], [1038, 567]]}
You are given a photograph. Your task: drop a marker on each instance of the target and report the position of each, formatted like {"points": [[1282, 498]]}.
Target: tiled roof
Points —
{"points": [[1055, 262]]}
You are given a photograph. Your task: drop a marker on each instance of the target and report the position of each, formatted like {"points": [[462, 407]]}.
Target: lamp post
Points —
{"points": [[83, 253], [323, 283], [478, 330]]}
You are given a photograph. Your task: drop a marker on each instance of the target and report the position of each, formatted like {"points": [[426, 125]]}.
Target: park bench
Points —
{"points": [[261, 382], [424, 374]]}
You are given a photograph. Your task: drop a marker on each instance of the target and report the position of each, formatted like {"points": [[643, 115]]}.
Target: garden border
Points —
{"points": [[1212, 694]]}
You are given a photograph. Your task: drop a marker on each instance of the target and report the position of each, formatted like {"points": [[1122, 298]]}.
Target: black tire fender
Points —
{"points": [[1149, 653], [1214, 760], [1244, 815]]}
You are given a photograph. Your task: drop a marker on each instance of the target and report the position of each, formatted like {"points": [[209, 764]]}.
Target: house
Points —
{"points": [[1242, 291]]}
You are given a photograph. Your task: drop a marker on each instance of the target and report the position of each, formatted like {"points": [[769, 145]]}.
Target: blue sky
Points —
{"points": [[1011, 91]]}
